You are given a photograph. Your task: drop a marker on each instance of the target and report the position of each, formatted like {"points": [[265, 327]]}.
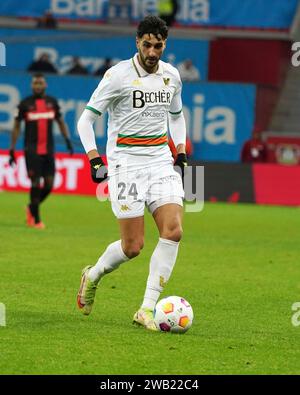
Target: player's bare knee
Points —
{"points": [[174, 233], [133, 249], [132, 252]]}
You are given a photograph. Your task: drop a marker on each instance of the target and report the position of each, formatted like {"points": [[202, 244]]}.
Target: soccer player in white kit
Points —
{"points": [[143, 98]]}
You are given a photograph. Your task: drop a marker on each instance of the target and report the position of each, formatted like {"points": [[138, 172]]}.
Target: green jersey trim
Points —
{"points": [[175, 113], [140, 145], [136, 69], [136, 136], [93, 110]]}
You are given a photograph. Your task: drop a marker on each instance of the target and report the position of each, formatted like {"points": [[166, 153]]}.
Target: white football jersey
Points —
{"points": [[138, 104]]}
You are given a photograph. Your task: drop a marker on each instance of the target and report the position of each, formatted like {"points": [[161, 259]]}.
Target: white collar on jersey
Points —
{"points": [[139, 69]]}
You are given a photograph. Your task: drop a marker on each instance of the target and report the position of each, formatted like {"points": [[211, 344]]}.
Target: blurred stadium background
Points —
{"points": [[241, 95]]}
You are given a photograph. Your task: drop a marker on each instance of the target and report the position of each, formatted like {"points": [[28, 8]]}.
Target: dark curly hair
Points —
{"points": [[153, 25], [38, 75]]}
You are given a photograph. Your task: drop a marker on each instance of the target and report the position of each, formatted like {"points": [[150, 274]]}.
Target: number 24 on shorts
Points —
{"points": [[132, 191]]}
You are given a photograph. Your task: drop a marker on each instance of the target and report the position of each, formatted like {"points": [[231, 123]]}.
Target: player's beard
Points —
{"points": [[39, 93], [151, 66]]}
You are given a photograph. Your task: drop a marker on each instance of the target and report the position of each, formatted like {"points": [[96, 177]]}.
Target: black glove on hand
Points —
{"points": [[98, 170], [69, 146], [180, 163], [12, 158]]}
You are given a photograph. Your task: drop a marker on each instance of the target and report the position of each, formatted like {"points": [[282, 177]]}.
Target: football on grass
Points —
{"points": [[173, 314]]}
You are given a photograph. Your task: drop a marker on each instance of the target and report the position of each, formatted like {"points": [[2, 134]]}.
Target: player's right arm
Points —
{"points": [[15, 133], [87, 136], [107, 91], [14, 138]]}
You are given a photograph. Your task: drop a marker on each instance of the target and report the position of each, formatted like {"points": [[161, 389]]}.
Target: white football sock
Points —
{"points": [[110, 260], [161, 265]]}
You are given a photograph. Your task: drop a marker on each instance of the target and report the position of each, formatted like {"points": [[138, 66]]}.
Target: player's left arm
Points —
{"points": [[107, 91], [65, 133], [177, 128], [63, 128]]}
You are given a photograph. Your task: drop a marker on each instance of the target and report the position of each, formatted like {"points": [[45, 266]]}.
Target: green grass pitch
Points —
{"points": [[238, 266]]}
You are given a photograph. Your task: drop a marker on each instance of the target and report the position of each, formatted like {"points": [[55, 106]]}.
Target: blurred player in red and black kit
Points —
{"points": [[38, 111]]}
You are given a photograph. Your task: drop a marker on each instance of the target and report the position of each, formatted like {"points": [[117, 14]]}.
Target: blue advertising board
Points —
{"points": [[72, 92], [276, 14], [219, 117]]}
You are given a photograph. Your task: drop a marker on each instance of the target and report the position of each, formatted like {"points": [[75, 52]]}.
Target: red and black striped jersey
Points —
{"points": [[38, 114]]}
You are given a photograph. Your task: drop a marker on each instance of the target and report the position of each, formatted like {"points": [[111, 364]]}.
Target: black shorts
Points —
{"points": [[39, 165]]}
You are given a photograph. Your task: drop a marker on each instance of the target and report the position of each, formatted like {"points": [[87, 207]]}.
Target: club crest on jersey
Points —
{"points": [[166, 81]]}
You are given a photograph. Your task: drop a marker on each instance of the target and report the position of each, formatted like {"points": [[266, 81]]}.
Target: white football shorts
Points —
{"points": [[153, 186]]}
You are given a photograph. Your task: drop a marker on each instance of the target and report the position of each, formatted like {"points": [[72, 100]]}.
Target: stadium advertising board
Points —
{"points": [[219, 117], [232, 183], [72, 93], [72, 174], [261, 183], [232, 13], [276, 184]]}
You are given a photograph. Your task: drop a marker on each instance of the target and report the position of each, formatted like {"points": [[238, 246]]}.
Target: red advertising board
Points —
{"points": [[72, 174], [262, 183], [276, 184]]}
